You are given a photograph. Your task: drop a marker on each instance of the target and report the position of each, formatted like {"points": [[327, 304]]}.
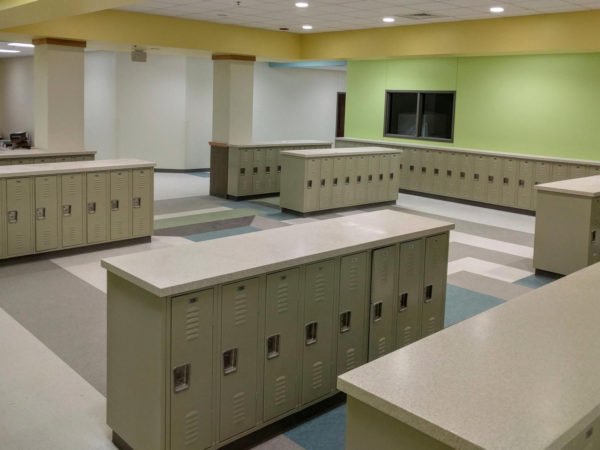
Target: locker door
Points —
{"points": [[281, 379], [191, 370], [325, 185], [2, 216], [277, 165], [311, 184], [403, 169], [465, 176], [426, 170], [560, 171], [525, 186], [271, 169], [577, 171], [410, 293], [414, 177], [393, 177], [71, 209], [246, 167], [46, 213], [383, 177], [480, 178], [239, 338], [434, 279], [383, 267], [142, 186], [318, 327], [440, 159], [593, 170], [339, 167], [258, 171], [372, 178], [494, 181], [352, 326], [509, 182], [542, 174], [19, 216], [98, 217], [362, 173], [349, 181], [452, 174], [595, 232], [120, 204]]}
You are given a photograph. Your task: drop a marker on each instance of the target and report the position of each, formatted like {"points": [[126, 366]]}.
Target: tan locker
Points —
{"points": [[352, 315], [120, 204], [426, 170], [191, 371], [383, 177], [43, 160], [542, 174], [593, 170], [440, 164], [71, 210], [4, 162], [465, 175], [19, 216], [98, 216], [510, 176], [525, 185], [480, 178], [560, 171], [2, 216], [494, 180], [326, 184], [142, 185], [246, 166], [410, 292], [239, 337], [434, 280], [452, 174], [61, 159], [311, 184], [577, 171], [46, 213], [362, 174], [337, 189], [414, 165], [381, 332], [319, 288], [281, 376], [595, 232], [278, 170], [271, 174], [349, 181], [393, 177], [373, 178], [258, 171], [404, 162]]}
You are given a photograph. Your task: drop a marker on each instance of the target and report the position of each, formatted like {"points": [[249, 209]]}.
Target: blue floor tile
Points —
{"points": [[200, 174], [535, 281], [221, 233], [463, 303], [326, 432]]}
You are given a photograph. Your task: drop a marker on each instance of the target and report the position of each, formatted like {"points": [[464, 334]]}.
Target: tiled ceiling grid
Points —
{"points": [[338, 15]]}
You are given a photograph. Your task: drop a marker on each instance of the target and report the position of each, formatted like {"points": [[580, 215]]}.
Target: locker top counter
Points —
{"points": [[521, 375], [333, 152], [26, 170], [177, 270], [39, 153], [290, 143], [586, 186]]}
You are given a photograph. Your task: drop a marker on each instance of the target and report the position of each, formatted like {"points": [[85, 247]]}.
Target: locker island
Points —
{"points": [[211, 341]]}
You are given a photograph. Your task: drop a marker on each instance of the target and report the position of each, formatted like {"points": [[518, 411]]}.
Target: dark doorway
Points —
{"points": [[341, 114]]}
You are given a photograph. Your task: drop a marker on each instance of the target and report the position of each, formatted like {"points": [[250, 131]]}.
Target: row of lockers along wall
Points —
{"points": [[51, 212], [44, 159], [254, 171], [320, 320]]}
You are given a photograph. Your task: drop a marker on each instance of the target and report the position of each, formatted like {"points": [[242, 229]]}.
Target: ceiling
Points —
{"points": [[338, 15]]}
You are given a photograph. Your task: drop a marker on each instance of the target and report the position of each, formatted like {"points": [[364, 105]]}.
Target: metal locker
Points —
{"points": [[393, 177], [440, 160], [352, 314], [494, 180], [410, 293], [509, 181], [414, 164], [434, 282], [480, 178], [577, 171], [271, 174], [46, 213], [2, 215], [426, 170], [71, 209], [244, 157], [452, 174], [593, 170], [349, 181], [362, 173], [542, 174], [326, 184], [381, 330], [258, 171], [525, 185], [383, 177], [19, 216], [191, 370], [142, 186], [560, 171], [281, 379], [594, 253], [317, 334], [311, 184], [403, 164], [372, 178], [120, 204], [98, 217], [239, 339], [465, 175], [337, 189]]}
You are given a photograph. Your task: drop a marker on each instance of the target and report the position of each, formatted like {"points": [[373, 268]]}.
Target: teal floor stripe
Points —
{"points": [[326, 432], [535, 281], [221, 233], [463, 303], [200, 174]]}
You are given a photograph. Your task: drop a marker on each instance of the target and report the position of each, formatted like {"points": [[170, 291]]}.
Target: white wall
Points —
{"points": [[199, 98], [16, 95], [295, 103]]}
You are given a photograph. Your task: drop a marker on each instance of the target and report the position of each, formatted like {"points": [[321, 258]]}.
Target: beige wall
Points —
{"points": [[16, 95]]}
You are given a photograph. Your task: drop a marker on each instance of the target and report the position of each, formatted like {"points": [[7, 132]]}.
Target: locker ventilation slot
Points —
{"points": [[381, 346], [317, 375], [192, 323], [350, 359], [280, 390], [191, 427], [239, 407]]}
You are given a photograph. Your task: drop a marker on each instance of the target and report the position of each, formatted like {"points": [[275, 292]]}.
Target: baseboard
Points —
{"points": [[182, 170]]}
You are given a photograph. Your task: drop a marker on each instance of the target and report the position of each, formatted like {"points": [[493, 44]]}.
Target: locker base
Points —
{"points": [[548, 274], [249, 197], [332, 210], [120, 442]]}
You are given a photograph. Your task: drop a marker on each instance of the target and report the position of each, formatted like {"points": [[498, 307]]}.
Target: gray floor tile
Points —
{"points": [[280, 442], [175, 205], [264, 223], [459, 251], [204, 227], [488, 286]]}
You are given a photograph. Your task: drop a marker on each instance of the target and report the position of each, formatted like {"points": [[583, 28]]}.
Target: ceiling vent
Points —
{"points": [[421, 16]]}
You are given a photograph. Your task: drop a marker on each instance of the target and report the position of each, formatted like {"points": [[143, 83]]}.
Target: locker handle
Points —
{"points": [[505, 180], [91, 208], [436, 171], [114, 205], [358, 178], [12, 216], [323, 182], [345, 321], [311, 333], [377, 311], [66, 210], [268, 169], [476, 176], [490, 178], [137, 202], [278, 168], [428, 293], [273, 346], [40, 213], [423, 169], [309, 184], [242, 171], [391, 175], [370, 178], [593, 235], [347, 180], [411, 168], [181, 378], [521, 183], [448, 173], [230, 361], [255, 170], [403, 301], [462, 175], [335, 181]]}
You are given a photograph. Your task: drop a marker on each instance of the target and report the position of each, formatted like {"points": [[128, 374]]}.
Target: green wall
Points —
{"points": [[540, 105]]}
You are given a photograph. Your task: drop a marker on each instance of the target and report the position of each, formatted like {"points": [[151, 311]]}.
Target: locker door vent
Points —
{"points": [[240, 309], [320, 287], [281, 390], [350, 360], [239, 408], [192, 323], [283, 296], [317, 375], [381, 345], [191, 427], [407, 336], [430, 327]]}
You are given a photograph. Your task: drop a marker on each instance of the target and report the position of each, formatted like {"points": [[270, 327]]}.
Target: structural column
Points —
{"points": [[58, 97]]}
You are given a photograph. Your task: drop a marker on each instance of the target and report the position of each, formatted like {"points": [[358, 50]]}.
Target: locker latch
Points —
{"points": [[311, 333], [309, 184], [268, 169], [40, 213], [476, 176], [66, 210], [323, 182], [114, 205], [462, 175], [335, 181], [490, 178], [428, 293], [242, 171], [181, 378], [377, 311], [345, 321], [448, 173], [347, 180], [358, 178], [505, 180], [391, 175], [91, 208], [380, 177], [255, 170], [273, 346], [137, 202], [230, 361], [12, 216], [403, 301], [593, 235], [370, 178], [278, 168], [521, 183]]}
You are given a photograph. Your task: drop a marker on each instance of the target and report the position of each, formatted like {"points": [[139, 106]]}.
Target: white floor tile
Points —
{"points": [[491, 244], [191, 213], [300, 220], [178, 185], [488, 269]]}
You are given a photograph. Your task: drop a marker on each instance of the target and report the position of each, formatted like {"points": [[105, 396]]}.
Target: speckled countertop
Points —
{"points": [[333, 152], [523, 375], [38, 153], [27, 170], [291, 143], [586, 186], [181, 269]]}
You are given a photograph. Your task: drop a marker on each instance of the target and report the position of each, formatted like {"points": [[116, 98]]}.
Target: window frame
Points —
{"points": [[419, 115]]}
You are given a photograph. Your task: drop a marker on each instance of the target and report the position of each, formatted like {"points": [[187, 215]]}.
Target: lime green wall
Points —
{"points": [[541, 104]]}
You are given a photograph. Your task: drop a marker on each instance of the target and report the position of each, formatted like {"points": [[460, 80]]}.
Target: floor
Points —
{"points": [[53, 330]]}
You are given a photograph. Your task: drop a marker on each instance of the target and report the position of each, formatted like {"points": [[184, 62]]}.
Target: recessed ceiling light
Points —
{"points": [[301, 5], [307, 27], [2, 50], [19, 44], [496, 9], [388, 19]]}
